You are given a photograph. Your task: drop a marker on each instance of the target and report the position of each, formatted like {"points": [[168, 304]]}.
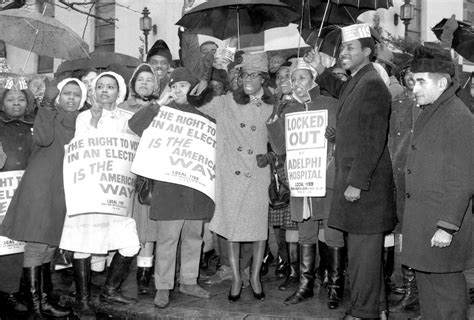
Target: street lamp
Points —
{"points": [[146, 26], [407, 13]]}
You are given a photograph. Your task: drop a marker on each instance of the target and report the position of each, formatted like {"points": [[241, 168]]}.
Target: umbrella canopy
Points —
{"points": [[463, 38], [323, 13], [40, 34], [102, 61], [225, 19]]}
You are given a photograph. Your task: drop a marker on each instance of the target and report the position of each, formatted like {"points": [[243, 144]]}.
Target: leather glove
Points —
{"points": [[50, 93], [448, 30], [330, 134]]}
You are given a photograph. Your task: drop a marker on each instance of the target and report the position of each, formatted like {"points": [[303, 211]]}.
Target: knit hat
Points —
{"points": [[144, 67], [160, 48], [255, 62], [433, 60], [385, 55], [182, 74]]}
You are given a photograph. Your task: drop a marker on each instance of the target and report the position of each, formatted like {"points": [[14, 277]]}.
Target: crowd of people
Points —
{"points": [[399, 160]]}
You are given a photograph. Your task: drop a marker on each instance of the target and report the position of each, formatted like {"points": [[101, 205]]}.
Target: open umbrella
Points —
{"points": [[102, 61], [225, 19], [40, 34], [463, 38]]}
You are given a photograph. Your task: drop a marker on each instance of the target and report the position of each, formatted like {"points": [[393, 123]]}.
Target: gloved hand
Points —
{"points": [[50, 94], [264, 160], [448, 30], [3, 156], [330, 134]]}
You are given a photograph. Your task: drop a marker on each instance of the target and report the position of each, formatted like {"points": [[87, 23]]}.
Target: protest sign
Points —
{"points": [[97, 175], [306, 152], [9, 181], [179, 147]]}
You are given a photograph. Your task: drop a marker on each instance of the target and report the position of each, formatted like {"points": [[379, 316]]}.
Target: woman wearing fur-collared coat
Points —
{"points": [[241, 186]]}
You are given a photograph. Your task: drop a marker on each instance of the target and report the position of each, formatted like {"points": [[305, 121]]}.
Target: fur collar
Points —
{"points": [[242, 98]]}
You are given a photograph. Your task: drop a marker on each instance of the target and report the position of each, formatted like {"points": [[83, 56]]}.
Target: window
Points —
{"points": [[105, 31]]}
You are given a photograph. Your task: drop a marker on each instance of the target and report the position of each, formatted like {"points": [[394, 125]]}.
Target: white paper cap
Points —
{"points": [[355, 31]]}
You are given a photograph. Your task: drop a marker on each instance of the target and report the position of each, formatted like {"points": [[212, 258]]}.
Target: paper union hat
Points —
{"points": [[301, 64], [355, 31], [225, 53]]}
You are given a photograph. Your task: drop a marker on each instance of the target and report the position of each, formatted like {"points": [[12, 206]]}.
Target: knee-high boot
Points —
{"points": [[322, 269], [82, 279], [49, 308], [293, 277], [31, 276], [388, 264], [282, 269], [410, 297], [335, 259], [116, 274], [306, 286]]}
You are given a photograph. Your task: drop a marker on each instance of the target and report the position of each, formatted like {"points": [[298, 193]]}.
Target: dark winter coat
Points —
{"points": [[172, 201], [16, 137], [276, 133], [439, 179], [362, 157], [38, 207]]}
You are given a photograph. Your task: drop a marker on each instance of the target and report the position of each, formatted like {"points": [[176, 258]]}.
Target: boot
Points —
{"points": [[143, 279], [322, 270], [49, 308], [31, 276], [116, 274], [267, 260], [293, 277], [335, 259], [82, 279], [282, 266], [388, 264], [410, 298], [307, 261], [10, 302]]}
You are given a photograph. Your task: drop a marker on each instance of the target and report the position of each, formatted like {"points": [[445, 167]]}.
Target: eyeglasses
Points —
{"points": [[252, 76]]}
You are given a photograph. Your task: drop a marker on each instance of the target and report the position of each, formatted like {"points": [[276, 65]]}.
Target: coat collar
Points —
{"points": [[5, 119], [430, 110]]}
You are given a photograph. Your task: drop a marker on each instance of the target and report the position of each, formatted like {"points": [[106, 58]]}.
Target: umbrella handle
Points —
{"points": [[238, 28]]}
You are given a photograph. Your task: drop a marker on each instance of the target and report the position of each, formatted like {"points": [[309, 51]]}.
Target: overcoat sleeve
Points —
{"points": [[458, 170], [373, 126], [44, 126], [331, 83], [142, 119]]}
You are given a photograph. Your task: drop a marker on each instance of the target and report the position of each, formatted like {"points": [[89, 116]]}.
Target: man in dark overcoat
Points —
{"points": [[439, 179], [363, 203]]}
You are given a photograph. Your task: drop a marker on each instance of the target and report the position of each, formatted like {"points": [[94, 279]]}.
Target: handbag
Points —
{"points": [[144, 190], [278, 190]]}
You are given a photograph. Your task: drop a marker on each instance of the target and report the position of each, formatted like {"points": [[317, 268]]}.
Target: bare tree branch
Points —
{"points": [[71, 5]]}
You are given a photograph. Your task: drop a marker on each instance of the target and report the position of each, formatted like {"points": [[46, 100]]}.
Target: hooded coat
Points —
{"points": [[439, 180], [38, 207]]}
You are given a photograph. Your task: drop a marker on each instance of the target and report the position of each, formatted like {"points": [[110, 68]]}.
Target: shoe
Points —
{"points": [[194, 290], [116, 274], [10, 302], [267, 260], [162, 298], [282, 268], [233, 298], [259, 296], [223, 273]]}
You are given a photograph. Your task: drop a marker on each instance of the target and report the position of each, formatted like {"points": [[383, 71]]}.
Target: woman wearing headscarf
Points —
{"points": [[241, 213], [16, 139], [143, 89], [38, 208], [96, 232]]}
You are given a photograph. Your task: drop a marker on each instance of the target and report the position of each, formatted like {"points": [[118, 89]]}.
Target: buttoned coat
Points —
{"points": [[439, 184], [241, 186], [362, 157]]}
